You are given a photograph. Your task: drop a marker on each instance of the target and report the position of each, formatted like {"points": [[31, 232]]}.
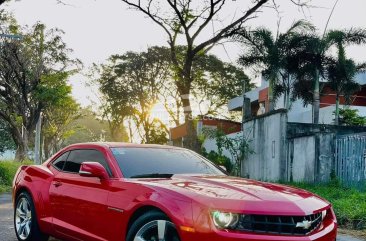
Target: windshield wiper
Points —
{"points": [[153, 175]]}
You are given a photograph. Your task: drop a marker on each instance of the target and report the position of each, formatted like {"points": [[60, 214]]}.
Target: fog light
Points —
{"points": [[224, 220]]}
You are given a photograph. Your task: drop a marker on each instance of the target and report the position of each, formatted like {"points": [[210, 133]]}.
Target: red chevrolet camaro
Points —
{"points": [[125, 192]]}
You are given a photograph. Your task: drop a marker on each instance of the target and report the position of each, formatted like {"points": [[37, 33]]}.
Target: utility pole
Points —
{"points": [[37, 146]]}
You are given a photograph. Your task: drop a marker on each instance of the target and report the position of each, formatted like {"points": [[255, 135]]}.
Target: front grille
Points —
{"points": [[282, 225]]}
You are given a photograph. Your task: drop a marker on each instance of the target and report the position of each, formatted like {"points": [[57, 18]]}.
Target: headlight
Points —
{"points": [[225, 220], [324, 213]]}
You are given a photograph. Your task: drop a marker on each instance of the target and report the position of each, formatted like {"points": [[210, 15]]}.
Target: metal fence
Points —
{"points": [[350, 160]]}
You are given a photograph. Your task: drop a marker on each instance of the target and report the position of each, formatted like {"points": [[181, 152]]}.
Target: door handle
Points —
{"points": [[57, 183]]}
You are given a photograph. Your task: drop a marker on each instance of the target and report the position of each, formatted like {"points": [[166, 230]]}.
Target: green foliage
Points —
{"points": [[216, 82], [34, 69], [158, 133], [238, 147], [351, 117], [131, 84], [219, 160], [317, 62], [6, 141], [57, 123], [349, 205], [276, 57], [53, 89], [7, 173], [88, 128]]}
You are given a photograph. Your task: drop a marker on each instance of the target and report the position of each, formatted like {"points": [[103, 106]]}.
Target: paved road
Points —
{"points": [[7, 230]]}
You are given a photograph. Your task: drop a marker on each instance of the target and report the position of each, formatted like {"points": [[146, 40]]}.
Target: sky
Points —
{"points": [[96, 29]]}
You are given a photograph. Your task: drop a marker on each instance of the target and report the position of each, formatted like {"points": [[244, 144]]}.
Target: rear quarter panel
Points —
{"points": [[36, 180]]}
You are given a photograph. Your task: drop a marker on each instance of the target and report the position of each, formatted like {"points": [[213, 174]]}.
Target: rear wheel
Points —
{"points": [[153, 226], [25, 220]]}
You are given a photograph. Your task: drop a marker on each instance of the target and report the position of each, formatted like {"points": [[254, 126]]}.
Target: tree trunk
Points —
{"points": [[271, 104], [336, 118], [22, 144], [191, 139], [316, 99]]}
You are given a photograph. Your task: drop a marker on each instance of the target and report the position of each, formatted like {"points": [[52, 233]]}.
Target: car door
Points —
{"points": [[79, 203]]}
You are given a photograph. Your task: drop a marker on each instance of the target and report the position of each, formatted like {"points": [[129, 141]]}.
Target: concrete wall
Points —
{"points": [[311, 150], [288, 151], [301, 167], [268, 135], [326, 114]]}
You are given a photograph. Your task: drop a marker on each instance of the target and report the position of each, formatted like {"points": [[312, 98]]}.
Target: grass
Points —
{"points": [[349, 204], [7, 172]]}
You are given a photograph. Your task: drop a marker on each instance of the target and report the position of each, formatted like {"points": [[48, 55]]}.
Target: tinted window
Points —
{"points": [[142, 161], [60, 161], [77, 157]]}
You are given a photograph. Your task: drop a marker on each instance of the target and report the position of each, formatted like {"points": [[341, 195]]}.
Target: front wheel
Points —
{"points": [[25, 220], [153, 226]]}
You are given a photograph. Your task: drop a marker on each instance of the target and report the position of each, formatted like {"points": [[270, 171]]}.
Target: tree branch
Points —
{"points": [[225, 31], [149, 14]]}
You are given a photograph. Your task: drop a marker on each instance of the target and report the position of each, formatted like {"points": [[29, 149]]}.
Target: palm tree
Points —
{"points": [[341, 71], [316, 60], [274, 56]]}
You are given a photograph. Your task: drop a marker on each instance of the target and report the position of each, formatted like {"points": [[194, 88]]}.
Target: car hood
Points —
{"points": [[239, 194]]}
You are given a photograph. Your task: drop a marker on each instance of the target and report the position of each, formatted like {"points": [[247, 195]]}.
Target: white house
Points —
{"points": [[298, 112]]}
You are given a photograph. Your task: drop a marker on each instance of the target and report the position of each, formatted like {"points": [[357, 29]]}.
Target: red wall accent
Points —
{"points": [[227, 126], [328, 98]]}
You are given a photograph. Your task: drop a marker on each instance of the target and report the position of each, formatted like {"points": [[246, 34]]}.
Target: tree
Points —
{"points": [[6, 142], [316, 59], [26, 67], [275, 56], [349, 117], [89, 127], [57, 124], [341, 74], [131, 83], [216, 83], [190, 20], [342, 71]]}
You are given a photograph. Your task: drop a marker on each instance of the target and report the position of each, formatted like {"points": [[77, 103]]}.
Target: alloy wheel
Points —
{"points": [[23, 218], [158, 230]]}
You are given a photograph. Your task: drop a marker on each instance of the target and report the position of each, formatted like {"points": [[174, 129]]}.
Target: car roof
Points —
{"points": [[119, 144]]}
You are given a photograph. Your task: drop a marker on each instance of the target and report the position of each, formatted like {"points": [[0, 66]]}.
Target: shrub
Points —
{"points": [[219, 160], [7, 172]]}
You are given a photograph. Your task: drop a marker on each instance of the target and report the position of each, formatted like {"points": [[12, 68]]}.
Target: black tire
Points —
{"points": [[151, 216], [35, 233]]}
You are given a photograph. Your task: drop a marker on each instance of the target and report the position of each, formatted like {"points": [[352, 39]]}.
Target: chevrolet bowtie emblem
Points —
{"points": [[304, 224]]}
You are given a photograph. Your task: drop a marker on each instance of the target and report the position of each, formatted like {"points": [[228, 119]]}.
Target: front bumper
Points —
{"points": [[326, 233]]}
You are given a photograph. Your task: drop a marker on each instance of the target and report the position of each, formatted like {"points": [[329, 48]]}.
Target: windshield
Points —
{"points": [[161, 162]]}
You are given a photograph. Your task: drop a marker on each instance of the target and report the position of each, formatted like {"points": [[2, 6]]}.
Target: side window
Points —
{"points": [[77, 157], [59, 163]]}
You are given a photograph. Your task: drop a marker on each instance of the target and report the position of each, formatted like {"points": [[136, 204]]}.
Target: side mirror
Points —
{"points": [[93, 169]]}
